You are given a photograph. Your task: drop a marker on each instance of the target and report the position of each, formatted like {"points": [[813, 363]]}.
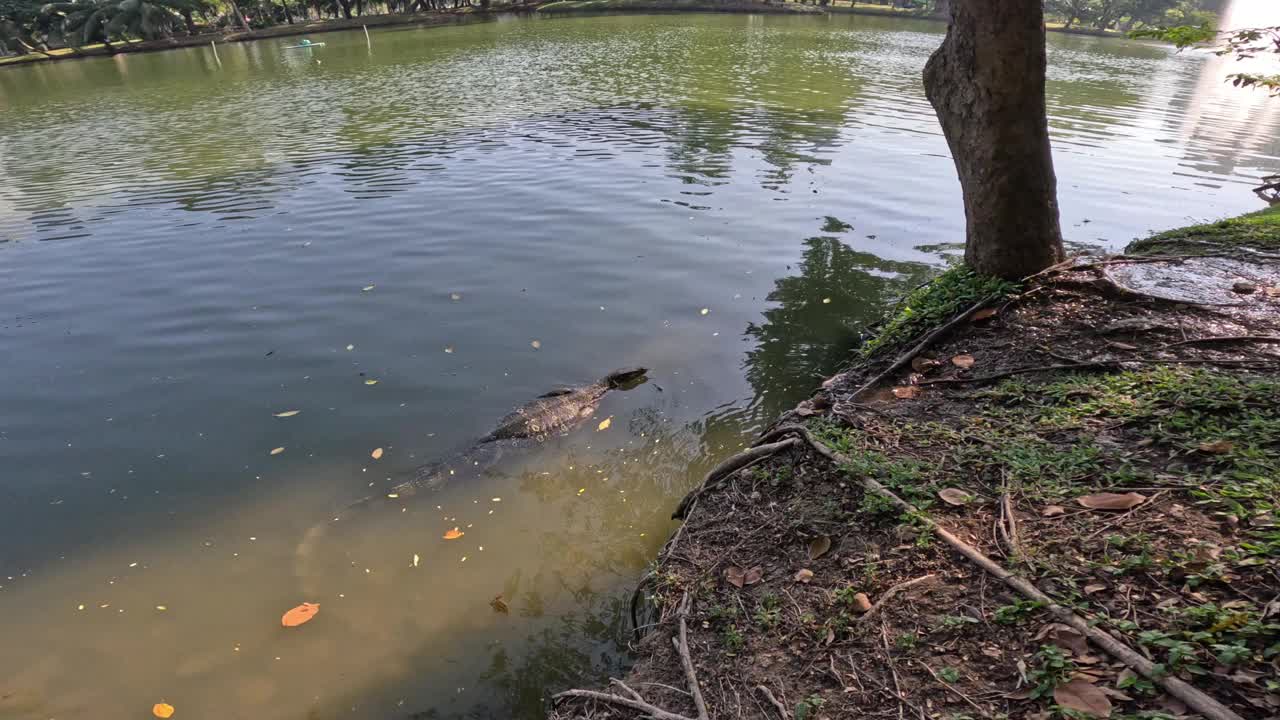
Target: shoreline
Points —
{"points": [[470, 14], [1020, 497]]}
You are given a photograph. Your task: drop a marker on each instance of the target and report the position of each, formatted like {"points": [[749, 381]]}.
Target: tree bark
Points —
{"points": [[986, 83]]}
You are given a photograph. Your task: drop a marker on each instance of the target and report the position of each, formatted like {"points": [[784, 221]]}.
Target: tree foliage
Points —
{"points": [[1243, 44]]}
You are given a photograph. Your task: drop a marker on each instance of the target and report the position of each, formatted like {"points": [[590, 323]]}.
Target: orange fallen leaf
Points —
{"points": [[1217, 447], [804, 575], [983, 314], [299, 615], [964, 362], [453, 534], [906, 392], [861, 602], [376, 454], [1112, 501], [1053, 511], [162, 710]]}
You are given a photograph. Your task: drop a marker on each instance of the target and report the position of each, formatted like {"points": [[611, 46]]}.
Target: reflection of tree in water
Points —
{"points": [[814, 326]]}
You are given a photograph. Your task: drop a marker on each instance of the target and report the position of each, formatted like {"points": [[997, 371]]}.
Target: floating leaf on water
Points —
{"points": [[376, 454], [162, 710], [983, 314], [906, 392], [499, 605], [277, 451], [819, 547], [964, 362], [453, 534], [299, 615], [351, 347], [455, 296], [415, 559], [448, 349], [536, 344], [367, 288], [605, 423], [826, 301], [804, 575], [1112, 501], [954, 496], [370, 381], [704, 311], [1083, 697], [287, 413], [1217, 447]]}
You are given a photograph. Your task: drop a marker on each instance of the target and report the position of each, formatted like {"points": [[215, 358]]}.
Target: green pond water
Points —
{"points": [[185, 247]]}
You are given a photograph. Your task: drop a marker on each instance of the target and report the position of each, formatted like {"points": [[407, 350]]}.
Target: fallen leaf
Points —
{"points": [[906, 392], [753, 575], [605, 423], [1112, 501], [830, 638], [351, 347], [1082, 697], [455, 296], [964, 362], [1091, 589], [367, 288], [453, 534], [819, 547], [826, 301], [448, 349], [162, 710], [804, 575], [955, 496], [704, 311], [1053, 511], [370, 381], [861, 602], [1065, 637], [499, 605], [536, 344], [287, 413], [277, 451], [415, 559], [376, 454], [299, 615], [735, 575], [983, 314], [1217, 447]]}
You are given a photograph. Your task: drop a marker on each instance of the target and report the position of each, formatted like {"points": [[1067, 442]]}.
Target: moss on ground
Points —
{"points": [[1257, 231]]}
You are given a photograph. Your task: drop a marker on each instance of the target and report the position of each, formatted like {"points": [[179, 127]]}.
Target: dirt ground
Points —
{"points": [[1108, 431]]}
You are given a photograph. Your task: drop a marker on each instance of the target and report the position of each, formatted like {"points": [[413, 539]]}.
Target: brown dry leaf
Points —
{"points": [[453, 534], [162, 710], [819, 547], [1091, 589], [376, 454], [906, 392], [1112, 501], [804, 575], [983, 314], [1082, 697], [735, 575], [964, 362], [277, 451], [1065, 637], [861, 602], [499, 605], [287, 413], [1053, 510], [604, 424], [830, 638], [1218, 447], [753, 575], [954, 496], [299, 615]]}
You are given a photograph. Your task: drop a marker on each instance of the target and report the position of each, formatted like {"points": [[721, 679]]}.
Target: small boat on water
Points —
{"points": [[303, 44]]}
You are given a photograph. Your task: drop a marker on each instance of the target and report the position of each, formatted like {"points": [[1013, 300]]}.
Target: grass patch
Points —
{"points": [[1259, 230], [934, 304]]}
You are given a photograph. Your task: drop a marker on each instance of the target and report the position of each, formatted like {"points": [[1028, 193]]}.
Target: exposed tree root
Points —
{"points": [[731, 465], [1227, 339], [636, 701]]}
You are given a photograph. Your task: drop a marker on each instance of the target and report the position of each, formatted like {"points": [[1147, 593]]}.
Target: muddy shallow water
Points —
{"points": [[189, 249]]}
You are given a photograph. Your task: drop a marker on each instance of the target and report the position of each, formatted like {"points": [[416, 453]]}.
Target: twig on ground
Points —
{"points": [[920, 347], [782, 709], [729, 466], [1009, 527], [888, 595], [636, 701], [982, 711], [1226, 339], [893, 670]]}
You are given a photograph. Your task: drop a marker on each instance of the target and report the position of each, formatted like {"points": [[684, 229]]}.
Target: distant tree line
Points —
{"points": [[1126, 15]]}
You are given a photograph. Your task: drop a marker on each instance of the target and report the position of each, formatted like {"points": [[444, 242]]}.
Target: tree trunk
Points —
{"points": [[986, 83]]}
